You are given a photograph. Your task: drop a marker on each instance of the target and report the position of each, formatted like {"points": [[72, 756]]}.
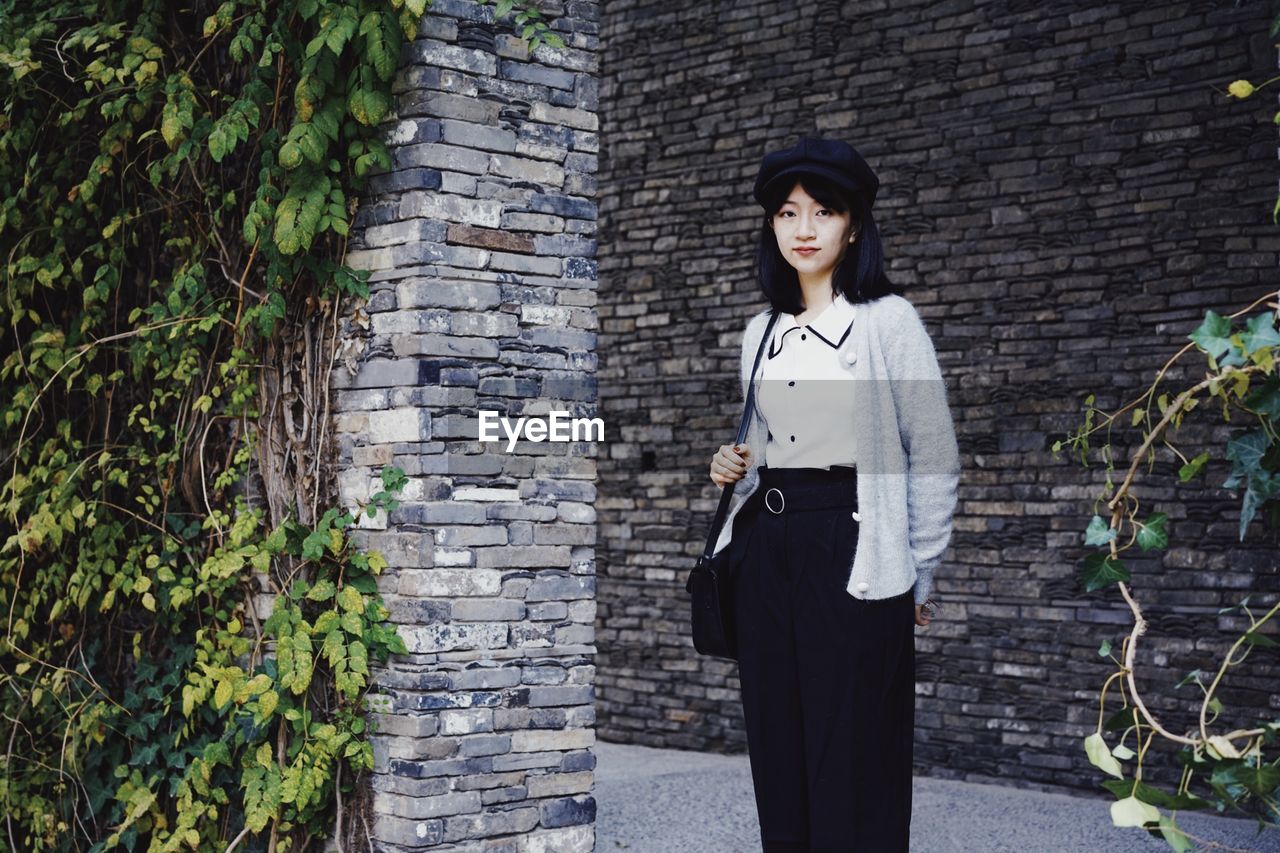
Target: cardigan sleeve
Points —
{"points": [[751, 338], [928, 437]]}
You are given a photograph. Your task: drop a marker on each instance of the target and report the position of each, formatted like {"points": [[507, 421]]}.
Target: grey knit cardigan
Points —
{"points": [[904, 447]]}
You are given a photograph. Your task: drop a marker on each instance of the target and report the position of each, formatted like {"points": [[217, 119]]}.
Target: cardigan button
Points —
{"points": [[850, 357], [857, 516], [864, 586]]}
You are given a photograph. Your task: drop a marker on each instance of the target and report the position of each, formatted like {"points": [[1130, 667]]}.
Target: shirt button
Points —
{"points": [[857, 516], [804, 337], [791, 383], [864, 586], [850, 357], [793, 438]]}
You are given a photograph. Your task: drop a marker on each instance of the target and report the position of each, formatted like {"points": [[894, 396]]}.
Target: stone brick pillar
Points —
{"points": [[481, 243]]}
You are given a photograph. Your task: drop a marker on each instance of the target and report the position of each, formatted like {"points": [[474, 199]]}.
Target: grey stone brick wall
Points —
{"points": [[1065, 190], [481, 241]]}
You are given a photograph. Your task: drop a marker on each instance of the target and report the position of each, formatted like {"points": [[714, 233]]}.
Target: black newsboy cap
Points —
{"points": [[829, 158]]}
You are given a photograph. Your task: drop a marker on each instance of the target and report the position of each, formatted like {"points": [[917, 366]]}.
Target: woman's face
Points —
{"points": [[812, 238]]}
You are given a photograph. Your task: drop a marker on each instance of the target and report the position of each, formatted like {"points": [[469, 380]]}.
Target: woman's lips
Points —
{"points": [[805, 252]]}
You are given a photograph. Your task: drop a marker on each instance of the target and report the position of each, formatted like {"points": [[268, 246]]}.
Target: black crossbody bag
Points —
{"points": [[711, 580]]}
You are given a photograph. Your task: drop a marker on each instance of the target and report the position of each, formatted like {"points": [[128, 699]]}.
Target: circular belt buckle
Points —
{"points": [[781, 498]]}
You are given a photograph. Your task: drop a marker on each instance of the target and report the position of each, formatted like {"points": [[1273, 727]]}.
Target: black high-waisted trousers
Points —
{"points": [[828, 680]]}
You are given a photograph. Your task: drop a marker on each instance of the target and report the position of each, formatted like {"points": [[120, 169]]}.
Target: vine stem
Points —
{"points": [[1140, 622], [235, 842], [1222, 670], [337, 800], [1165, 368], [1140, 628]]}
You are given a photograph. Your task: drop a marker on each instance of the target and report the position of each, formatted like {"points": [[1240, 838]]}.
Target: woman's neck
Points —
{"points": [[817, 297]]}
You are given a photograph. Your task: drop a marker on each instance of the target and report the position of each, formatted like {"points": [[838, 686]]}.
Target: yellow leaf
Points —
{"points": [[1100, 756], [1240, 89], [350, 599], [267, 703], [1222, 747], [1133, 812], [149, 602]]}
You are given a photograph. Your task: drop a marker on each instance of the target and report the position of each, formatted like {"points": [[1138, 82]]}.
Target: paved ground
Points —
{"points": [[672, 801]]}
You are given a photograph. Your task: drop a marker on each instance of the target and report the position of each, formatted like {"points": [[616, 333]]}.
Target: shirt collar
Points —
{"points": [[832, 326]]}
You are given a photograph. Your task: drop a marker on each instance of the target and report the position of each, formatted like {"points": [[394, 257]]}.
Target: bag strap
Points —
{"points": [[726, 493]]}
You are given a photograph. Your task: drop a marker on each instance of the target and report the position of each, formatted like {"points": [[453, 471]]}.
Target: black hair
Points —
{"points": [[860, 273]]}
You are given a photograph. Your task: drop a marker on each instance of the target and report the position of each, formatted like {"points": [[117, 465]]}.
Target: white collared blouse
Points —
{"points": [[806, 390]]}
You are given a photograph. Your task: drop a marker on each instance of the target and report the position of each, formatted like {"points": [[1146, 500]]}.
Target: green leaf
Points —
{"points": [[1192, 468], [380, 44], [1176, 838], [1259, 639], [1246, 450], [291, 154], [1102, 570], [1261, 781], [342, 27], [1153, 533], [1260, 332], [298, 216], [1192, 676], [1098, 532], [325, 124], [368, 106], [1149, 794], [219, 142], [1263, 399], [1212, 336]]}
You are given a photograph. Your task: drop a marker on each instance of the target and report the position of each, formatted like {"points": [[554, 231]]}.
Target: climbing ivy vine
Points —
{"points": [[177, 185], [1225, 767]]}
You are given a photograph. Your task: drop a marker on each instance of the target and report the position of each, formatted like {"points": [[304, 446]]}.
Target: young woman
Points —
{"points": [[836, 532]]}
